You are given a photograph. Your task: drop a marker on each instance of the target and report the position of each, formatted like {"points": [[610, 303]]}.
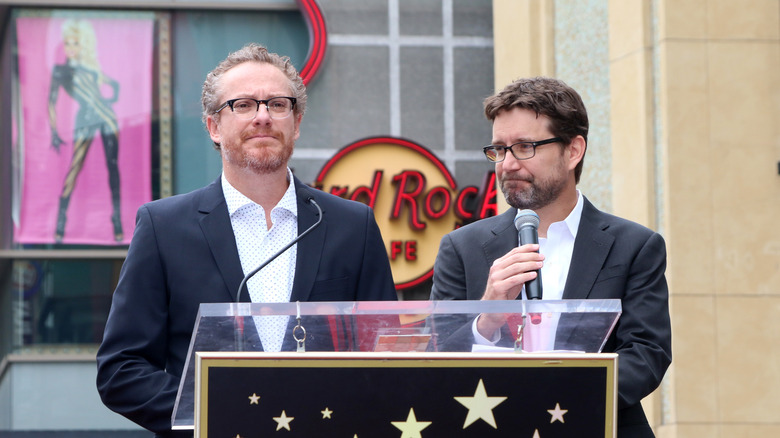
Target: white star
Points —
{"points": [[411, 428], [480, 406], [254, 399], [536, 433], [557, 413], [283, 421], [326, 413]]}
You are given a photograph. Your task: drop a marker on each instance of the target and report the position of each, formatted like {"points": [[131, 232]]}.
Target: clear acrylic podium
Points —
{"points": [[386, 329]]}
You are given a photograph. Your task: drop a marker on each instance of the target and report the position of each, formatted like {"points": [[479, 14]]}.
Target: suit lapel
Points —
{"points": [[504, 237], [310, 247], [215, 223], [591, 248]]}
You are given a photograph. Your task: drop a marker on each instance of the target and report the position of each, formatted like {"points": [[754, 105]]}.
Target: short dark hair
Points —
{"points": [[549, 97]]}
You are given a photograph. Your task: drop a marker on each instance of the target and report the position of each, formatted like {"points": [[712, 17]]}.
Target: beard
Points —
{"points": [[537, 193], [264, 160]]}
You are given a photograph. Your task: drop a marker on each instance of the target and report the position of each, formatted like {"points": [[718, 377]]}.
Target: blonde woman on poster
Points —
{"points": [[81, 78]]}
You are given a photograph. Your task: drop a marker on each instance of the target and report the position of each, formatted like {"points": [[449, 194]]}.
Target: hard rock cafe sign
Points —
{"points": [[415, 199]]}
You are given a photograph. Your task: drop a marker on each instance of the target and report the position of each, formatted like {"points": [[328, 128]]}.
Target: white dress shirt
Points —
{"points": [[256, 244], [557, 248]]}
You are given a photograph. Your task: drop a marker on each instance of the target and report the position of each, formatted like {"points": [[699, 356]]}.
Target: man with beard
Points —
{"points": [[197, 247], [540, 129]]}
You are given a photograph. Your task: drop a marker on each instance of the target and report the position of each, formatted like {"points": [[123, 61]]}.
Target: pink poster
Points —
{"points": [[85, 128]]}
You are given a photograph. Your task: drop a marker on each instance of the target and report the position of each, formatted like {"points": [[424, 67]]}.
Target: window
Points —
{"points": [[65, 227]]}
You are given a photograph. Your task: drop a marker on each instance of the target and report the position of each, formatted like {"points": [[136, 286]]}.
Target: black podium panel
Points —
{"points": [[410, 395]]}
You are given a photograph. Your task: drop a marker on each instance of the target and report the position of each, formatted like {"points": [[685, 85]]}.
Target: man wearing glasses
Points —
{"points": [[197, 247], [540, 129]]}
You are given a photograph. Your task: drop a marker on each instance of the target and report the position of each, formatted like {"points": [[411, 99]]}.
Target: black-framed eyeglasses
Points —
{"points": [[521, 151], [246, 108]]}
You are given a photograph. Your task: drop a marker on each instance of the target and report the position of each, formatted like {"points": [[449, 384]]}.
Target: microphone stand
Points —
{"points": [[239, 322]]}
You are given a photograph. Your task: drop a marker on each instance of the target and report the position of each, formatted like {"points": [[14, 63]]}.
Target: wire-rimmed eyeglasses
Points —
{"points": [[522, 150], [246, 108]]}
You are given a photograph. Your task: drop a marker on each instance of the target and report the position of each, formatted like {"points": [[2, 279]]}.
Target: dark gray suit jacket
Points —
{"points": [[184, 253], [612, 258]]}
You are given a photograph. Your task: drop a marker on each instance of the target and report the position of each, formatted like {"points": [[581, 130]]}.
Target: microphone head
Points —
{"points": [[526, 218]]}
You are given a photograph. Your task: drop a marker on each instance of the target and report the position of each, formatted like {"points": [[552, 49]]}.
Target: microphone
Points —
{"points": [[239, 323], [527, 224]]}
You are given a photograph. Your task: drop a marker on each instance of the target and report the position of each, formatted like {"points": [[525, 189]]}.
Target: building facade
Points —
{"points": [[683, 98]]}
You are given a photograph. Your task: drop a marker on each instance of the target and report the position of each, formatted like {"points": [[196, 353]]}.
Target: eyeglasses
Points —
{"points": [[246, 108], [521, 151]]}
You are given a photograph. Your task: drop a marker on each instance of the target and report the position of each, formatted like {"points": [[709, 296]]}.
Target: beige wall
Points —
{"points": [[695, 143], [720, 111]]}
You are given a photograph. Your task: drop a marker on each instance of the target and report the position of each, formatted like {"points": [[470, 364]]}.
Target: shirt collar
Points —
{"points": [[572, 221], [236, 200]]}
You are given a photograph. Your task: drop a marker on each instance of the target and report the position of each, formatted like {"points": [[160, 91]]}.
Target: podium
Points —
{"points": [[406, 368]]}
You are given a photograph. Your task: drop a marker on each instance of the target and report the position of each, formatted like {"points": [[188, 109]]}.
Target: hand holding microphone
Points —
{"points": [[510, 272], [518, 267], [527, 224]]}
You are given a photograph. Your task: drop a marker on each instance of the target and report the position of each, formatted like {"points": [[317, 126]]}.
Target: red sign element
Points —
{"points": [[414, 197], [318, 39]]}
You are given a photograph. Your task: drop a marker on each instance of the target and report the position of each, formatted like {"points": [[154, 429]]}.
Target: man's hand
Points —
{"points": [[505, 282]]}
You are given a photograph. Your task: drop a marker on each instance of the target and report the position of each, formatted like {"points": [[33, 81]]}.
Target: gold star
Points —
{"points": [[480, 406], [411, 427], [254, 399], [557, 413], [326, 413], [283, 421]]}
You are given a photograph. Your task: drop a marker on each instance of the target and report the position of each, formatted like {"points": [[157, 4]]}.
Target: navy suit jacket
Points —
{"points": [[612, 258], [184, 253]]}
